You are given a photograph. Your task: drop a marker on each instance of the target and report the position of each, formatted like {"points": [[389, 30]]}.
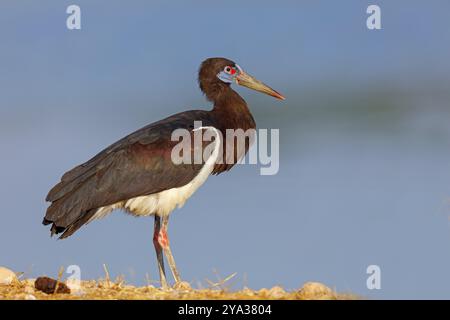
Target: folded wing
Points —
{"points": [[139, 164]]}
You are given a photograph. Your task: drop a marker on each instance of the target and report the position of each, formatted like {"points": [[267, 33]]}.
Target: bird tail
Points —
{"points": [[66, 217]]}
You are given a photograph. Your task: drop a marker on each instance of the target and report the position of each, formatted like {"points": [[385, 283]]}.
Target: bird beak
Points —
{"points": [[248, 81]]}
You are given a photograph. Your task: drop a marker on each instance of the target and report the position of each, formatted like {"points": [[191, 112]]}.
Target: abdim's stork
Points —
{"points": [[137, 174]]}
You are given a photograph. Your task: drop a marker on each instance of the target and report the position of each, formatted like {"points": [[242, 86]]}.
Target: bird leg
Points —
{"points": [[159, 251], [168, 252]]}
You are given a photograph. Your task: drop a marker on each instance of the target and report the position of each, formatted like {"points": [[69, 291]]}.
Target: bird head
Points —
{"points": [[217, 72]]}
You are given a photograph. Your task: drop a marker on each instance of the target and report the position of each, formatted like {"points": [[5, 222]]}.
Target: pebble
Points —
{"points": [[316, 290], [48, 285], [7, 276], [277, 292], [263, 292]]}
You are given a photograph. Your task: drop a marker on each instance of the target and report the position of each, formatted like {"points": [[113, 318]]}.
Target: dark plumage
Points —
{"points": [[136, 165], [140, 164]]}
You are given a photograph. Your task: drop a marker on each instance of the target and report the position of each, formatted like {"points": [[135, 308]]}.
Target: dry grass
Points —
{"points": [[118, 290]]}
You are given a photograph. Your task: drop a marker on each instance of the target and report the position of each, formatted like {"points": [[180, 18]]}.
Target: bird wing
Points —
{"points": [[139, 164]]}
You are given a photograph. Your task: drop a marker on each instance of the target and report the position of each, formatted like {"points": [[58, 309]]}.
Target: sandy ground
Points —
{"points": [[105, 289]]}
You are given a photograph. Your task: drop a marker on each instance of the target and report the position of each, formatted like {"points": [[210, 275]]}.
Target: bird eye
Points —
{"points": [[230, 70]]}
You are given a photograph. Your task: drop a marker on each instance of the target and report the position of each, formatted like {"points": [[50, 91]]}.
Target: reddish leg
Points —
{"points": [[162, 239], [159, 251], [164, 242]]}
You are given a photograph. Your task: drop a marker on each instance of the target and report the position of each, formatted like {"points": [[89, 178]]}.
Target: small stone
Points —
{"points": [[30, 297], [263, 292], [48, 285], [316, 290], [7, 276], [182, 285], [277, 292]]}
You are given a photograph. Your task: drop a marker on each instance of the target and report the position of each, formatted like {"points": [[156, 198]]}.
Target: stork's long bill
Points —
{"points": [[246, 80]]}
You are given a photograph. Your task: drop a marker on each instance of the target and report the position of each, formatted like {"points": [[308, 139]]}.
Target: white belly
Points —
{"points": [[164, 202]]}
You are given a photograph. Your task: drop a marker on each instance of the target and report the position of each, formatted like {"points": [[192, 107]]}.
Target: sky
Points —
{"points": [[364, 173]]}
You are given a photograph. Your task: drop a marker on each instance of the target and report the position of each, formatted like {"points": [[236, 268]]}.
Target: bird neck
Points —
{"points": [[232, 111]]}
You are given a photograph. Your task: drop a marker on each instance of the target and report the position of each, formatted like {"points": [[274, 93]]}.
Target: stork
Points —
{"points": [[137, 174]]}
